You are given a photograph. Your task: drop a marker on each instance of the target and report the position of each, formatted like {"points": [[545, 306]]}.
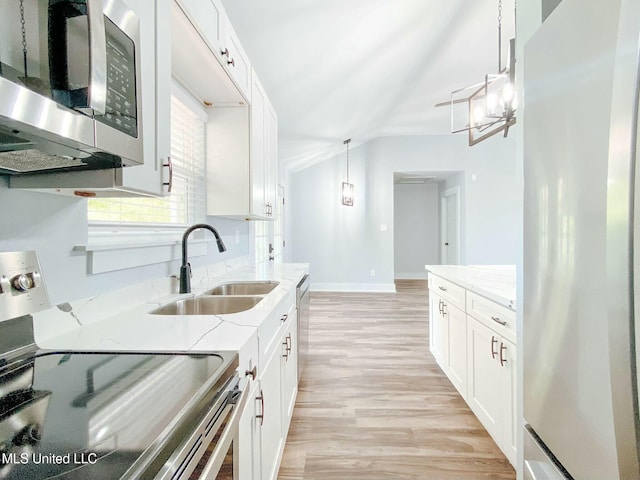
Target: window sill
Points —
{"points": [[111, 255]]}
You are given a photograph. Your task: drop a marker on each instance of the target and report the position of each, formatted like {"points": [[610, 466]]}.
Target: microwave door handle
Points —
{"points": [[97, 58]]}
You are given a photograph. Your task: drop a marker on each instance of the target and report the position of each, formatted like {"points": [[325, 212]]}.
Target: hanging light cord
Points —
{"points": [[24, 38], [347, 142], [499, 36]]}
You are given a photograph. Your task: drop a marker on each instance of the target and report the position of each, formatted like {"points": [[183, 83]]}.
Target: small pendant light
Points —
{"points": [[347, 188]]}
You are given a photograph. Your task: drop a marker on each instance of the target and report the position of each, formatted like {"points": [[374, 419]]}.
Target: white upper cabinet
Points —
{"points": [[242, 158], [236, 60], [156, 102], [210, 20], [208, 17]]}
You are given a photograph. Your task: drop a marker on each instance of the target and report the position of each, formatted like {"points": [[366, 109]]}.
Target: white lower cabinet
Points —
{"points": [[438, 330], [448, 339], [289, 372], [270, 417], [491, 388], [471, 338], [265, 421]]}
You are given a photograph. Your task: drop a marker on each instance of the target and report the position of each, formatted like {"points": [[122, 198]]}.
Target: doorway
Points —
{"points": [[450, 226], [416, 225]]}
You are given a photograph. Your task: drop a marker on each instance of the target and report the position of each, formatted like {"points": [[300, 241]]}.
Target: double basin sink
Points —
{"points": [[227, 298]]}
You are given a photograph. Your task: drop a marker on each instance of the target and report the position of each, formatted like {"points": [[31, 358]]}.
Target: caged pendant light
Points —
{"points": [[489, 106], [347, 188]]}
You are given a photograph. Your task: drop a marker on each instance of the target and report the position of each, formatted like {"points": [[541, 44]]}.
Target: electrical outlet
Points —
{"points": [[373, 273]]}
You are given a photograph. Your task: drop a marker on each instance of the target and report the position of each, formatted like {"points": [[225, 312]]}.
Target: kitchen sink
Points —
{"points": [[243, 288], [213, 305]]}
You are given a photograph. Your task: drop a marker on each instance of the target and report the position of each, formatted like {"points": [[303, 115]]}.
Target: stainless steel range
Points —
{"points": [[106, 415]]}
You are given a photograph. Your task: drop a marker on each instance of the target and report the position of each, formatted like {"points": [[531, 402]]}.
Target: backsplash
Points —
{"points": [[53, 225], [66, 317]]}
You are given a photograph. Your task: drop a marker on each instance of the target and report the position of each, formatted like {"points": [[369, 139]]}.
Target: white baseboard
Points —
{"points": [[353, 287], [410, 276]]}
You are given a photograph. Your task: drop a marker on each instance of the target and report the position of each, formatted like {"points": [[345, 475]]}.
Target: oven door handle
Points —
{"points": [[224, 441]]}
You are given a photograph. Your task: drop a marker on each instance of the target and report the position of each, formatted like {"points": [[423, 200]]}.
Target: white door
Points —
{"points": [[450, 215]]}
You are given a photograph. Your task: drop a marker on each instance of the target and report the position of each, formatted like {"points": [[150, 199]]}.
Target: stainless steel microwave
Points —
{"points": [[69, 86]]}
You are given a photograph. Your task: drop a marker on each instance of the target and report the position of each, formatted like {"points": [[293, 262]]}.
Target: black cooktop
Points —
{"points": [[81, 415]]}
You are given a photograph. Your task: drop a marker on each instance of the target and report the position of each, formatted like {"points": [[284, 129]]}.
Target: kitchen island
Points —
{"points": [[472, 335]]}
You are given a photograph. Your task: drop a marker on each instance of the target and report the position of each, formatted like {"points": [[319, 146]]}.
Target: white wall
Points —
{"points": [[52, 225], [344, 243], [416, 229]]}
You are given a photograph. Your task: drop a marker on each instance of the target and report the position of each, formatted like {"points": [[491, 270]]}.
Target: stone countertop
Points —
{"points": [[495, 282], [120, 320]]}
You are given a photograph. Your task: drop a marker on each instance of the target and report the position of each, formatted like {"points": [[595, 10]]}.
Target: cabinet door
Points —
{"points": [[485, 390], [457, 322], [236, 61], [248, 444], [510, 422], [289, 373], [270, 409], [257, 163], [155, 41], [271, 159], [208, 17], [439, 331]]}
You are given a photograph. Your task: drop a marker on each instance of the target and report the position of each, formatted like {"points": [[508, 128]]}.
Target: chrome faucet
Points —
{"points": [[185, 268]]}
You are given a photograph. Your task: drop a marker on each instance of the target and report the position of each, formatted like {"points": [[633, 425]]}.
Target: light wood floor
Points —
{"points": [[373, 404]]}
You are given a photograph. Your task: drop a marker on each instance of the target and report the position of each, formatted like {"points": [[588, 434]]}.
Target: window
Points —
{"points": [[186, 204]]}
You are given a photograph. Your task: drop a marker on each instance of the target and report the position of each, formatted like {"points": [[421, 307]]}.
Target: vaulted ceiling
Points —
{"points": [[360, 69]]}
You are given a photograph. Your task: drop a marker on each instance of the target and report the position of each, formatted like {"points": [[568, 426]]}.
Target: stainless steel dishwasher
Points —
{"points": [[302, 303]]}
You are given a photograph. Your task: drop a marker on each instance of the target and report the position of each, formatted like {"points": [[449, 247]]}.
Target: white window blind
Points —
{"points": [[186, 204]]}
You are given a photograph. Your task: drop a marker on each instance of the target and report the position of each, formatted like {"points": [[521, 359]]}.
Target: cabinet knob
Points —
{"points": [[284, 317], [253, 373], [231, 62], [225, 52]]}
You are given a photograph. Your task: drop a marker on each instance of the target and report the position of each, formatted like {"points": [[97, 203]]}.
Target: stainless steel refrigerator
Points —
{"points": [[580, 121]]}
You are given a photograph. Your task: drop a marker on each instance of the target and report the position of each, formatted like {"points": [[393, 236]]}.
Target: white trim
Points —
{"points": [[410, 276], [109, 257], [455, 191], [353, 287]]}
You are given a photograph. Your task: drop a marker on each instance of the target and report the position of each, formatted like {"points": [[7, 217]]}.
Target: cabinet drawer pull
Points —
{"points": [[224, 52], [440, 306], [231, 62], [497, 320], [261, 416], [503, 348], [284, 317], [287, 350], [443, 289], [494, 341], [289, 341], [445, 310], [169, 165], [253, 372]]}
